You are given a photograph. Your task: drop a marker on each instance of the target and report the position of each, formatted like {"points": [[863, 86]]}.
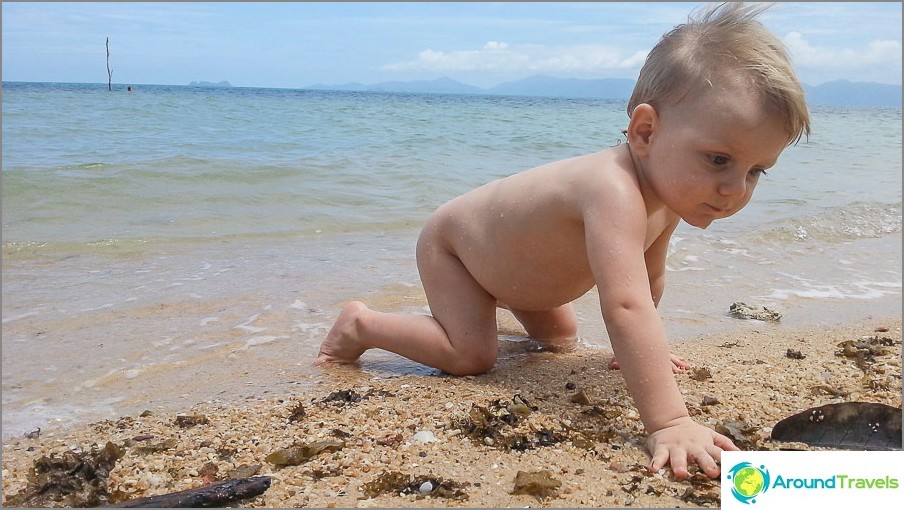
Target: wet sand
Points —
{"points": [[467, 438]]}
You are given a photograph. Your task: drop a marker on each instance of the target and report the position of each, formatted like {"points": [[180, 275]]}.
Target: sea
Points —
{"points": [[175, 245]]}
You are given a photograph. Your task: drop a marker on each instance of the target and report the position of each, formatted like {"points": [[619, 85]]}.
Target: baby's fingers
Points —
{"points": [[723, 442], [708, 461], [679, 466], [660, 458], [676, 456]]}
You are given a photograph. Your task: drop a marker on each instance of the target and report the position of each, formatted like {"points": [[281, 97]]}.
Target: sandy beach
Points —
{"points": [[438, 441]]}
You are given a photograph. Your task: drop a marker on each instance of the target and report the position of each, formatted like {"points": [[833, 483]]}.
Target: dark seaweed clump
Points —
{"points": [[73, 479]]}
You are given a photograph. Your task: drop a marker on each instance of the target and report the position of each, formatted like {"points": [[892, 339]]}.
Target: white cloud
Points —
{"points": [[498, 56], [876, 53]]}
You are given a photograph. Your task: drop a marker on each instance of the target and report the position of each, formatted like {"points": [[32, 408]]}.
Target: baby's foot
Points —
{"points": [[554, 345], [341, 344], [678, 364]]}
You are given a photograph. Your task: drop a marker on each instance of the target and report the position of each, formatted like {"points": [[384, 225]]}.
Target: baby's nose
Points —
{"points": [[733, 187]]}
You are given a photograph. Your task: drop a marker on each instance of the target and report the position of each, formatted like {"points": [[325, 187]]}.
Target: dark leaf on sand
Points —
{"points": [[741, 433], [848, 425], [296, 455], [540, 484]]}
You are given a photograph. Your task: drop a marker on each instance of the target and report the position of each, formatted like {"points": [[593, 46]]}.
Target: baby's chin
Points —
{"points": [[701, 223]]}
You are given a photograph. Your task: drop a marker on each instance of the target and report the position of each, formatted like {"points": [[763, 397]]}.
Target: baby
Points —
{"points": [[716, 103]]}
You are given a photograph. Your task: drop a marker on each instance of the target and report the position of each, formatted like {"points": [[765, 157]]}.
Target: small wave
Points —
{"points": [[83, 166], [856, 290], [852, 222]]}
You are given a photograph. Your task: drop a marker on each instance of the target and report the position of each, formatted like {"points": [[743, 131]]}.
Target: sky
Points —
{"points": [[293, 45]]}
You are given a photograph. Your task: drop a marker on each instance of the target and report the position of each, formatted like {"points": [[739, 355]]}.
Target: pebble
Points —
{"points": [[425, 436], [425, 488]]}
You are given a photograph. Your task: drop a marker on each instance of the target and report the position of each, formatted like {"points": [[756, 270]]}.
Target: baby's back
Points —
{"points": [[522, 237]]}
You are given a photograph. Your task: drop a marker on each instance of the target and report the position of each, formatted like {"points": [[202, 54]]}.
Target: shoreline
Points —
{"points": [[429, 427]]}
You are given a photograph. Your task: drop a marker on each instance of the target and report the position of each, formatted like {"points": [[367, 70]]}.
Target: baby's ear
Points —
{"points": [[644, 122]]}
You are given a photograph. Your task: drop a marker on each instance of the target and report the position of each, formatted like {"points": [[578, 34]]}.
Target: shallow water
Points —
{"points": [[175, 244]]}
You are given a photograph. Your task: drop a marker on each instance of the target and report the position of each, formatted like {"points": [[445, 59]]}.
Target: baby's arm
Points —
{"points": [[615, 244], [655, 257]]}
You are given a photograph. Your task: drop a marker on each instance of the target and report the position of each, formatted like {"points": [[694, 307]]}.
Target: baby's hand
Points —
{"points": [[685, 441]]}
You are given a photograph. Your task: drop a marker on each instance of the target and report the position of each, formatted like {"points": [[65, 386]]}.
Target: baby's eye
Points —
{"points": [[718, 159], [757, 172]]}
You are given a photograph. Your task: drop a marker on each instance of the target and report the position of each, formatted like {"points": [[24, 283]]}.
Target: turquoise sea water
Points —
{"points": [[177, 244]]}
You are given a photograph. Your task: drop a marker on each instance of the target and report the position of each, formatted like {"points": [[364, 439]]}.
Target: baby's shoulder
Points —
{"points": [[604, 171]]}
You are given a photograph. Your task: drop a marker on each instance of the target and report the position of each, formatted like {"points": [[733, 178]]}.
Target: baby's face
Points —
{"points": [[707, 155]]}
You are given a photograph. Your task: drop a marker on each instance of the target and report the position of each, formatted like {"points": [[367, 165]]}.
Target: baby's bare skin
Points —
{"points": [[536, 241], [520, 222]]}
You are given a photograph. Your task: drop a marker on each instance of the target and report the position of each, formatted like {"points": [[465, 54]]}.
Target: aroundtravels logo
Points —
{"points": [[748, 482], [808, 479]]}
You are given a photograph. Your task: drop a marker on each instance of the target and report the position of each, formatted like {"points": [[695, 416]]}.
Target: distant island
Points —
{"points": [[223, 83], [833, 93]]}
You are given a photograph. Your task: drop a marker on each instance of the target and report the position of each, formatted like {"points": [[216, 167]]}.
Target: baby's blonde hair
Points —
{"points": [[725, 42]]}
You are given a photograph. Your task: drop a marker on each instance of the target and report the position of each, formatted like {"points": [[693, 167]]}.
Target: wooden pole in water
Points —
{"points": [[109, 71]]}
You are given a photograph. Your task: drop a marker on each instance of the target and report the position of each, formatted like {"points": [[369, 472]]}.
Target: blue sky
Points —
{"points": [[292, 45]]}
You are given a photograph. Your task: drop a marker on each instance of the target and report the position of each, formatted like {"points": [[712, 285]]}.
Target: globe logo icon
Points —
{"points": [[748, 481]]}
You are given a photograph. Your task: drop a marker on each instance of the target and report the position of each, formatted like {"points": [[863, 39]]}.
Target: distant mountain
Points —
{"points": [[440, 86], [223, 83], [859, 94], [835, 93], [612, 88]]}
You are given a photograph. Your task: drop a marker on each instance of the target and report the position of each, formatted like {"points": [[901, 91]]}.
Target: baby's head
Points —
{"points": [[724, 47]]}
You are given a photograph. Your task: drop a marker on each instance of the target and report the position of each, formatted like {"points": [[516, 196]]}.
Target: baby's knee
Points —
{"points": [[474, 364], [567, 330]]}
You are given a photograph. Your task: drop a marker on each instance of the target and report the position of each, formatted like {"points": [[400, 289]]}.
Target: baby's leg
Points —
{"points": [[460, 338], [550, 330], [342, 343]]}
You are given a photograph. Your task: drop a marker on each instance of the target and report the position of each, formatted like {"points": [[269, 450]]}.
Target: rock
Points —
{"points": [[762, 313], [581, 398]]}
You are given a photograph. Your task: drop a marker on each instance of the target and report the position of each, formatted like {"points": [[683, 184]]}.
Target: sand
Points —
{"points": [[566, 414]]}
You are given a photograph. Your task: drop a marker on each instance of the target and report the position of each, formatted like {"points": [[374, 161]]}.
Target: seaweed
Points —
{"points": [[166, 444], [345, 398], [539, 484], [296, 413], [400, 484], [700, 499], [75, 479], [742, 434], [793, 354], [701, 374], [186, 421], [864, 351], [491, 426], [299, 454]]}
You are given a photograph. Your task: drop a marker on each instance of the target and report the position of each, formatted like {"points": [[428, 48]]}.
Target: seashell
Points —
{"points": [[425, 436]]}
